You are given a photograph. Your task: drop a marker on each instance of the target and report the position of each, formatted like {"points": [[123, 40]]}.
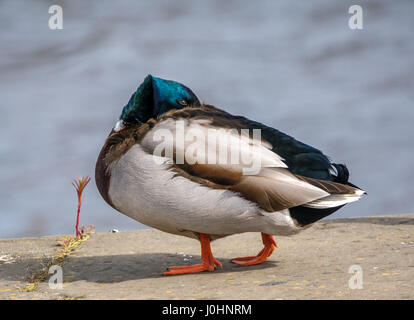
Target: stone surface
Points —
{"points": [[312, 265]]}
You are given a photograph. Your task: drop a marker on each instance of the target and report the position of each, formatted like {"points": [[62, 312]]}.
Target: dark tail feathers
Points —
{"points": [[342, 173]]}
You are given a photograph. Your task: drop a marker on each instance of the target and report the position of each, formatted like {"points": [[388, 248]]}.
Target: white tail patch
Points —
{"points": [[335, 200]]}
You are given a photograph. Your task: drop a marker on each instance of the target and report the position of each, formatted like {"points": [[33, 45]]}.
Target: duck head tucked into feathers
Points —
{"points": [[154, 97], [294, 186]]}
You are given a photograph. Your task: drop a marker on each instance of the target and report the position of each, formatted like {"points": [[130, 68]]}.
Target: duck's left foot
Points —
{"points": [[269, 247], [209, 262]]}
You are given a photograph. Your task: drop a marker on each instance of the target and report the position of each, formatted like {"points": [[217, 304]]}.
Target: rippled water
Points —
{"points": [[293, 65]]}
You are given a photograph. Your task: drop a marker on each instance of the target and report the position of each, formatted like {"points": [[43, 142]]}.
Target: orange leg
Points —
{"points": [[269, 247], [209, 262]]}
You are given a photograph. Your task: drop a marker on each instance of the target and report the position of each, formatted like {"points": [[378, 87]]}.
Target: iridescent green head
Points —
{"points": [[154, 97]]}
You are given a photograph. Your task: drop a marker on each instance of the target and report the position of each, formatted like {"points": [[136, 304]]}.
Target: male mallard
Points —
{"points": [[181, 192]]}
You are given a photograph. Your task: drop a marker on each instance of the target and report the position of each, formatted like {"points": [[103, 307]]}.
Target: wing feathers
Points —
{"points": [[329, 186], [273, 187], [340, 194], [277, 191]]}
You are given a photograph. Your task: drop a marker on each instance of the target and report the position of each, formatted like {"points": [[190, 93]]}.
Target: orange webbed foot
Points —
{"points": [[209, 262], [269, 247]]}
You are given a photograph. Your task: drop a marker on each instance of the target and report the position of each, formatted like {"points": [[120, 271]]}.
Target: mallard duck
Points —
{"points": [[156, 172]]}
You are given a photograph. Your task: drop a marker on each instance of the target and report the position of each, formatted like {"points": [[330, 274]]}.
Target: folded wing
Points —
{"points": [[225, 158]]}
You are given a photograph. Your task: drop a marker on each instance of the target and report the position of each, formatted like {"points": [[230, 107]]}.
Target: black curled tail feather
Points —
{"points": [[342, 173]]}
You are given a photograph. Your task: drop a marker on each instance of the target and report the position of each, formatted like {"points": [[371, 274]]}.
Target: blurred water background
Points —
{"points": [[293, 65]]}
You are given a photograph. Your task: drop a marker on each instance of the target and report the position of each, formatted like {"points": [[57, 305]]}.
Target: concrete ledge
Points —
{"points": [[311, 265]]}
